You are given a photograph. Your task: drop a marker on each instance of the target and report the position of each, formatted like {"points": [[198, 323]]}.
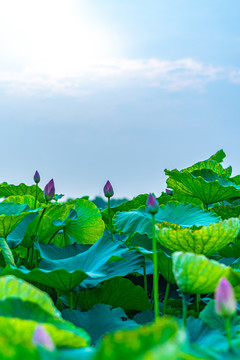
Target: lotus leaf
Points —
{"points": [[204, 240], [163, 339], [140, 220], [99, 321], [117, 292], [12, 287], [21, 189], [204, 185]]}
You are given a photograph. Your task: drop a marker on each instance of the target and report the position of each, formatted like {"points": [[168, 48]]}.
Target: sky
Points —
{"points": [[94, 90]]}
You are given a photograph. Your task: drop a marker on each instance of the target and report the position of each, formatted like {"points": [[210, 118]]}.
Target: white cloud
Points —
{"points": [[86, 78]]}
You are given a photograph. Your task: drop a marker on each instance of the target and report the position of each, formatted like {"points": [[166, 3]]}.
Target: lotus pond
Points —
{"points": [[151, 278]]}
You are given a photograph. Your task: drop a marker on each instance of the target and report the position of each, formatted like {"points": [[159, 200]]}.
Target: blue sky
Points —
{"points": [[93, 91]]}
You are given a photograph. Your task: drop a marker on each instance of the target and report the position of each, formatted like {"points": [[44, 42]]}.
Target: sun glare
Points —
{"points": [[54, 35]]}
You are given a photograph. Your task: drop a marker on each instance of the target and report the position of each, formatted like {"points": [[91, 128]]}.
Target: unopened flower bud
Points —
{"points": [[225, 302], [36, 177], [42, 338], [49, 190], [152, 204], [108, 190]]}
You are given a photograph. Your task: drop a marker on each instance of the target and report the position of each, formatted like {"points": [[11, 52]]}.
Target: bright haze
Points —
{"points": [[94, 90]]}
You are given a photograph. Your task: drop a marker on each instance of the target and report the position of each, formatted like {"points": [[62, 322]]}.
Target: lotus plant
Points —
{"points": [[108, 192], [152, 207], [225, 304]]}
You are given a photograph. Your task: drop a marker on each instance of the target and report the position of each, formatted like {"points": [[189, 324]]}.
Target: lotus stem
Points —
{"points": [[31, 252], [71, 300], [145, 276], [76, 301], [155, 270], [184, 309], [166, 298], [39, 221], [228, 331], [198, 299], [36, 196], [110, 220], [6, 251]]}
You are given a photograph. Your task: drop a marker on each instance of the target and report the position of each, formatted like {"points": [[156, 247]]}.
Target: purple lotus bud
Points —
{"points": [[169, 192], [49, 190], [36, 177], [108, 190], [225, 302], [42, 338], [152, 204]]}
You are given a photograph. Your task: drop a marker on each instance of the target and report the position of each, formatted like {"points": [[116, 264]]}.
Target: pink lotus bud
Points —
{"points": [[36, 177], [169, 192], [108, 190], [42, 338], [152, 204], [49, 190], [225, 302]]}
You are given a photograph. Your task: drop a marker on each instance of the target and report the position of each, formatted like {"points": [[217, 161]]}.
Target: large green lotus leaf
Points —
{"points": [[54, 252], [202, 184], [187, 199], [227, 211], [88, 227], [59, 279], [100, 320], [24, 329], [23, 199], [97, 261], [196, 274], [12, 287], [204, 240], [21, 189], [211, 165], [117, 292], [11, 215], [161, 340], [236, 179], [140, 220], [16, 237]]}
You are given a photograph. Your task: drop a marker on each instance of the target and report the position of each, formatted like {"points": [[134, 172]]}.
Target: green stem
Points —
{"points": [[166, 298], [228, 331], [27, 259], [40, 219], [184, 309], [71, 300], [6, 251], [76, 301], [53, 236], [110, 220], [36, 196], [145, 276], [198, 298], [155, 270], [31, 252]]}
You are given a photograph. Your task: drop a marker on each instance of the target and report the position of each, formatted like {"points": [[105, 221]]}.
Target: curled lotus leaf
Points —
{"points": [[213, 165], [21, 189], [204, 240], [196, 274], [12, 287], [202, 184]]}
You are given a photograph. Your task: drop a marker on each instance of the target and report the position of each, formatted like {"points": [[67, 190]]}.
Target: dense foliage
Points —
{"points": [[79, 282]]}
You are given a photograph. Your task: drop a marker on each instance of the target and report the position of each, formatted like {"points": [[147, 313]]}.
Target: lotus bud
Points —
{"points": [[152, 204], [49, 190], [169, 192], [42, 338], [225, 302], [36, 177], [108, 190]]}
